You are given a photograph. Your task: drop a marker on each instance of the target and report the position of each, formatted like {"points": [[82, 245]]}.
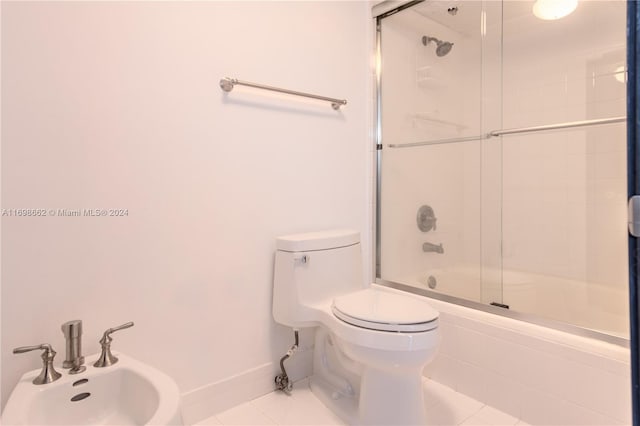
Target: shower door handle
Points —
{"points": [[633, 220]]}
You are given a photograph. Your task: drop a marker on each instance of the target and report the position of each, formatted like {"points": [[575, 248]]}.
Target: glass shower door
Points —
{"points": [[502, 170], [432, 149], [564, 190]]}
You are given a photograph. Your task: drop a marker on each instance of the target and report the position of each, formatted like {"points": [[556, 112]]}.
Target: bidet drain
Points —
{"points": [[80, 396], [432, 282]]}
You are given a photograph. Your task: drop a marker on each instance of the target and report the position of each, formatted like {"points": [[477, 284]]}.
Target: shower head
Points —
{"points": [[442, 47]]}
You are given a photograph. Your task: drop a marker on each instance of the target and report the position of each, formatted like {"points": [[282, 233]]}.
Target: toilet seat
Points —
{"points": [[384, 311]]}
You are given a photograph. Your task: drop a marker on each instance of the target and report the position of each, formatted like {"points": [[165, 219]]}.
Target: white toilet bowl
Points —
{"points": [[396, 336], [372, 342]]}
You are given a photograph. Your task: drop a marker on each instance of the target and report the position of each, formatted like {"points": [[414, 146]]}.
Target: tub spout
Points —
{"points": [[428, 247]]}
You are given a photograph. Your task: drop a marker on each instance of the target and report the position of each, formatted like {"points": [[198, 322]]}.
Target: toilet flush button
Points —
{"points": [[301, 259]]}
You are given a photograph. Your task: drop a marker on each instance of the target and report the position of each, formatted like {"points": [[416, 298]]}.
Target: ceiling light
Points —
{"points": [[621, 74], [553, 9]]}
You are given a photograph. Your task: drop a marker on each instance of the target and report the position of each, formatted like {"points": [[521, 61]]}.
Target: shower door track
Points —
{"points": [[515, 131]]}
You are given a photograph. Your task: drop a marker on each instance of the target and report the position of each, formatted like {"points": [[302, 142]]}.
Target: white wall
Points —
{"points": [[117, 105]]}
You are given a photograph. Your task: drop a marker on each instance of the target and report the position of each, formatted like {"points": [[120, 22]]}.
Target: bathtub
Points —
{"points": [[590, 305]]}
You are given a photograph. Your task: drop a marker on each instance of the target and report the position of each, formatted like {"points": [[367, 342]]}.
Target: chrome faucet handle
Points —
{"points": [[106, 357], [48, 373]]}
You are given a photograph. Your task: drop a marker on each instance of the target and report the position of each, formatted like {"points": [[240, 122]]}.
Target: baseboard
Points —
{"points": [[206, 401]]}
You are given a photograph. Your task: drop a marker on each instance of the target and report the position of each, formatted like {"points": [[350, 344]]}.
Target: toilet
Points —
{"points": [[371, 342]]}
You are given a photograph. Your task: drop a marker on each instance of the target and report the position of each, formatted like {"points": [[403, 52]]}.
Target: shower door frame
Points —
{"points": [[386, 9], [633, 188]]}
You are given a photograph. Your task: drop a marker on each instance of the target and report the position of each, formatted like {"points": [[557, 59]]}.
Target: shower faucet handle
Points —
{"points": [[106, 357], [426, 218]]}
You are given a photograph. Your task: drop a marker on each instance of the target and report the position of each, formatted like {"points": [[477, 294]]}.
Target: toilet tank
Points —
{"points": [[310, 270]]}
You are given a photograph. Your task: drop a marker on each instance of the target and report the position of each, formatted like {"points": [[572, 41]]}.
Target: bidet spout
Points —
{"points": [[72, 331]]}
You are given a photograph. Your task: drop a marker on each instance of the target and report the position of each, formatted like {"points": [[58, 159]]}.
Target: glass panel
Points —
{"points": [[564, 192], [535, 221], [431, 93]]}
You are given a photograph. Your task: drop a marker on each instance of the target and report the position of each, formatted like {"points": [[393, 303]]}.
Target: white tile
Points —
{"points": [[211, 421], [507, 358], [621, 368], [444, 407], [275, 405], [471, 346], [489, 416], [443, 369], [308, 410], [448, 414], [454, 411], [302, 407], [244, 414], [544, 409], [436, 393], [471, 380], [504, 394], [448, 333]]}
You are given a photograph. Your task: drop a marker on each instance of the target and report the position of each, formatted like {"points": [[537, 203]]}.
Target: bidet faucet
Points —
{"points": [[48, 373], [106, 357], [72, 331], [428, 247]]}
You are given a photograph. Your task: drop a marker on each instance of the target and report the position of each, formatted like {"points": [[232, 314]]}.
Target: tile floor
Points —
{"points": [[444, 407]]}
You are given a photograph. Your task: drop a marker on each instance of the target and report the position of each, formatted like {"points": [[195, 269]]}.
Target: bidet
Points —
{"points": [[127, 393]]}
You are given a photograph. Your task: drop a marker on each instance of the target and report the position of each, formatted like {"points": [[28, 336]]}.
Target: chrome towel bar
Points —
{"points": [[227, 85]]}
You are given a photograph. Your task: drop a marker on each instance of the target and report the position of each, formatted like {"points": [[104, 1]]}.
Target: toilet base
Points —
{"points": [[385, 403], [345, 407], [391, 399], [365, 395]]}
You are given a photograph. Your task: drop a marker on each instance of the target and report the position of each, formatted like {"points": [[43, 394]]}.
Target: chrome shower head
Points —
{"points": [[443, 47]]}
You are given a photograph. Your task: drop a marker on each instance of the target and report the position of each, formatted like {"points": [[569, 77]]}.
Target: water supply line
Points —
{"points": [[282, 380]]}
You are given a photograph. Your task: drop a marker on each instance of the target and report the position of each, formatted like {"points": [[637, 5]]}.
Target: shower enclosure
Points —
{"points": [[502, 174]]}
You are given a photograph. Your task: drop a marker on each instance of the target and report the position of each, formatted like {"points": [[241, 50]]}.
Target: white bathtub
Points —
{"points": [[589, 305]]}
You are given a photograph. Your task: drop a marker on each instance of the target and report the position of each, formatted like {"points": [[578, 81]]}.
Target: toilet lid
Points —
{"points": [[385, 311]]}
